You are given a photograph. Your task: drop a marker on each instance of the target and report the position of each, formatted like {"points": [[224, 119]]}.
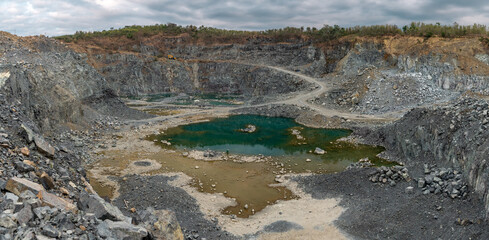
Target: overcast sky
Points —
{"points": [[56, 17]]}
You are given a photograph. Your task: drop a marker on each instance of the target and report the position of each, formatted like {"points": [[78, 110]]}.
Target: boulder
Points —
{"points": [[41, 144], [11, 196], [42, 212], [120, 230], [24, 215], [319, 151], [22, 167], [7, 222], [17, 185], [50, 231], [27, 195], [47, 181], [92, 203], [167, 226], [52, 200], [28, 133], [44, 147]]}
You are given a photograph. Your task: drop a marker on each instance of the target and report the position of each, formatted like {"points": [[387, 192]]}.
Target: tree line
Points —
{"points": [[326, 33]]}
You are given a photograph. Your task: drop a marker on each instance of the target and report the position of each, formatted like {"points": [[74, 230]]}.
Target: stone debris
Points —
{"points": [[362, 163], [389, 175], [444, 181], [42, 145]]}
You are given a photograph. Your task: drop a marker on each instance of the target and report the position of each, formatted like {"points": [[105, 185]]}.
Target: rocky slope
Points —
{"points": [[51, 83], [451, 136], [372, 75], [56, 100], [46, 92]]}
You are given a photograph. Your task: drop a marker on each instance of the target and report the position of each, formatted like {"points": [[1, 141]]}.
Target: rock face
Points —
{"points": [[145, 75], [51, 82], [452, 136]]}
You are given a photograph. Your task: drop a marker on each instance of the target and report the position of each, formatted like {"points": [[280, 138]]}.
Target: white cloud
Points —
{"points": [[55, 17]]}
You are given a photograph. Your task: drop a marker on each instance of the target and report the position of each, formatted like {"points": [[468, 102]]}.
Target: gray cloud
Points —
{"points": [[56, 17]]}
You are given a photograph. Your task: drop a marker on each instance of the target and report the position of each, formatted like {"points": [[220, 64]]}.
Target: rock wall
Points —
{"points": [[49, 82], [130, 75], [391, 74], [451, 136]]}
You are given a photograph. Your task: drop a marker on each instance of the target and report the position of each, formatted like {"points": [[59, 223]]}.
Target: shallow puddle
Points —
{"points": [[161, 112], [284, 145]]}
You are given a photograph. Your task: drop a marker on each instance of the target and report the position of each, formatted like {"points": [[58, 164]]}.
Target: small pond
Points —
{"points": [[286, 146]]}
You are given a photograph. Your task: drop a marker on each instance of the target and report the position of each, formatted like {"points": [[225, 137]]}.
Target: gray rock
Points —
{"points": [[11, 196], [392, 183], [7, 222], [50, 231], [421, 183], [3, 183], [42, 212], [25, 215], [43, 146], [28, 133], [120, 230], [22, 167], [437, 179], [428, 179], [26, 195], [103, 210], [34, 203], [64, 222]]}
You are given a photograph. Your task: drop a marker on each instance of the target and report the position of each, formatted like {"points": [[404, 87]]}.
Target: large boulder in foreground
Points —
{"points": [[92, 203]]}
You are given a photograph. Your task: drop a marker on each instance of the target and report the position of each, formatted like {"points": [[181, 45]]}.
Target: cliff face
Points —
{"points": [[450, 136], [54, 84], [391, 74], [130, 75], [49, 82], [373, 75]]}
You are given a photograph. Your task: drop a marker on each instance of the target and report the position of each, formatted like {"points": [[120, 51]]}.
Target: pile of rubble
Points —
{"points": [[389, 175], [443, 181], [44, 193]]}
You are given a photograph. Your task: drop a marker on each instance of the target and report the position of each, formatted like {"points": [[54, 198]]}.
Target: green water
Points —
{"points": [[273, 137]]}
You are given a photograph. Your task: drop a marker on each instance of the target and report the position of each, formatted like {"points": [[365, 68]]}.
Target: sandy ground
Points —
{"points": [[334, 206], [315, 217]]}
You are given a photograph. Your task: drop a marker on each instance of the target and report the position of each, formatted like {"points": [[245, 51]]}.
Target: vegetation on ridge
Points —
{"points": [[325, 33]]}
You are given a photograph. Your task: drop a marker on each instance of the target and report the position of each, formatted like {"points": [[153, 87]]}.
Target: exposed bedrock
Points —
{"points": [[50, 83], [131, 75], [451, 136]]}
